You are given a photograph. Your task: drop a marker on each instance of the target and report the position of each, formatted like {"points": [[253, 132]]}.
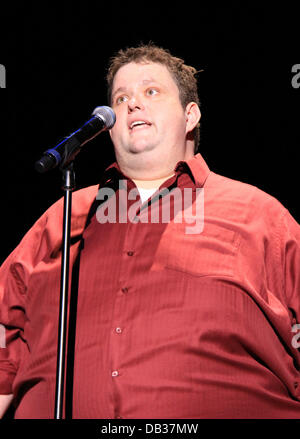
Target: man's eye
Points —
{"points": [[121, 99], [152, 91]]}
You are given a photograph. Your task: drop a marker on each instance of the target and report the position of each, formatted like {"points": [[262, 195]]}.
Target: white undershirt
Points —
{"points": [[146, 193], [147, 188]]}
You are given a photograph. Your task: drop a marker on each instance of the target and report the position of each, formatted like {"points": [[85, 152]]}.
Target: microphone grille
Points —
{"points": [[107, 114]]}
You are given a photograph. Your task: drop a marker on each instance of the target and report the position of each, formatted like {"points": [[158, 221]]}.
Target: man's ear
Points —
{"points": [[193, 116]]}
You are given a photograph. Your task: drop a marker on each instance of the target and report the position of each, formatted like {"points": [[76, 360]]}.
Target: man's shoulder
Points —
{"points": [[83, 198], [248, 198], [46, 233], [81, 202], [50, 222]]}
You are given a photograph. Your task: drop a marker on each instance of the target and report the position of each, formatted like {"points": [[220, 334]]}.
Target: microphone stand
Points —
{"points": [[103, 118], [68, 185]]}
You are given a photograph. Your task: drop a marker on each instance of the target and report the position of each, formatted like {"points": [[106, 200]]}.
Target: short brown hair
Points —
{"points": [[183, 74]]}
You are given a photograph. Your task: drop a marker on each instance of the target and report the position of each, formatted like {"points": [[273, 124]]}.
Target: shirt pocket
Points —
{"points": [[211, 252]]}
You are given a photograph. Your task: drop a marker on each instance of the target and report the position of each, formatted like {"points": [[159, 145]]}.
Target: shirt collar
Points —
{"points": [[196, 166]]}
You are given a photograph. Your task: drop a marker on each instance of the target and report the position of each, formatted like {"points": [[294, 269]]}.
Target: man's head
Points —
{"points": [[148, 84]]}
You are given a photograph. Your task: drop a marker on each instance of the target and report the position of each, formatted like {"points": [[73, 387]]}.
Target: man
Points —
{"points": [[172, 321]]}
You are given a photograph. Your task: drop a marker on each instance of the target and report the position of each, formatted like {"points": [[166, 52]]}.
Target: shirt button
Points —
{"points": [[118, 330], [115, 373], [130, 253], [125, 290]]}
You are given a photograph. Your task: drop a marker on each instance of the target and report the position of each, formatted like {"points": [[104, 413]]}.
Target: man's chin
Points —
{"points": [[141, 147]]}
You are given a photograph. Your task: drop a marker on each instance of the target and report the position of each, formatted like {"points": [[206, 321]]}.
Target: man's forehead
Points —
{"points": [[142, 73]]}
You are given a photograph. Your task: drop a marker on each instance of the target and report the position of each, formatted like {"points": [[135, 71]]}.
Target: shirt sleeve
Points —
{"points": [[14, 274], [41, 241], [290, 255]]}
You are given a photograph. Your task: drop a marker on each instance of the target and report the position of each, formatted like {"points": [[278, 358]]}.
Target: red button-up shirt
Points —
{"points": [[169, 324]]}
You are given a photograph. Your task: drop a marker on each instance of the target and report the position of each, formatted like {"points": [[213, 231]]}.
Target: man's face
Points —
{"points": [[151, 121]]}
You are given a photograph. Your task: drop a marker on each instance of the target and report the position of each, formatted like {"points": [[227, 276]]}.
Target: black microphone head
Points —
{"points": [[46, 163], [107, 114]]}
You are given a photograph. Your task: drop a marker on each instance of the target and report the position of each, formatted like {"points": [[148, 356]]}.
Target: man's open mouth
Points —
{"points": [[138, 123]]}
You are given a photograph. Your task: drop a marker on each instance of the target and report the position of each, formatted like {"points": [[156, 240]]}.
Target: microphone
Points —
{"points": [[103, 119]]}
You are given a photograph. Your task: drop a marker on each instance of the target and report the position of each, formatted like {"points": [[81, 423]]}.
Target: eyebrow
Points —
{"points": [[118, 91], [123, 89]]}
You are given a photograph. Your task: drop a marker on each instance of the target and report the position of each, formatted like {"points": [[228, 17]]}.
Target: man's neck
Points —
{"points": [[150, 184], [152, 167]]}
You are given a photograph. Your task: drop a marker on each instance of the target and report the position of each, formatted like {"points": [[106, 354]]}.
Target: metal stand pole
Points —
{"points": [[68, 187]]}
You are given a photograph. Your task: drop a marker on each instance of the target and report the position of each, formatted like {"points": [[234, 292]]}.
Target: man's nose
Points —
{"points": [[135, 103]]}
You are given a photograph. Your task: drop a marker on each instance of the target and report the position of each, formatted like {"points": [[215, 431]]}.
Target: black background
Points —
{"points": [[56, 58]]}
